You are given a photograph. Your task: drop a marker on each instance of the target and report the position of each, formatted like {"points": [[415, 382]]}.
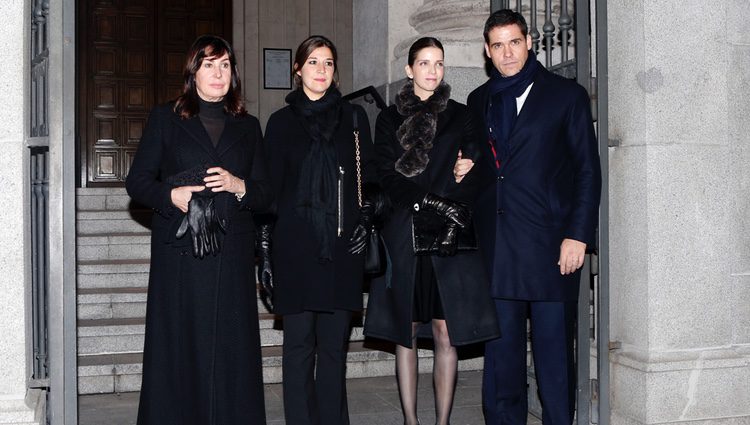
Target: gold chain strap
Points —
{"points": [[359, 169]]}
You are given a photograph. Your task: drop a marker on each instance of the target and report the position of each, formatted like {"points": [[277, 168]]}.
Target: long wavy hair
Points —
{"points": [[208, 46]]}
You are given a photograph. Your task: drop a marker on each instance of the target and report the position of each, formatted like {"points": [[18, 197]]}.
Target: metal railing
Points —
{"points": [[39, 166], [38, 145], [556, 41], [368, 94]]}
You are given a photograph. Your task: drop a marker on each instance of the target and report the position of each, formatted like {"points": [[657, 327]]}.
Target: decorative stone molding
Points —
{"points": [[456, 23]]}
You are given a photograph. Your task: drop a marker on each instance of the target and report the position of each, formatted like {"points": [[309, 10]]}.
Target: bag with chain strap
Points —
{"points": [[375, 248]]}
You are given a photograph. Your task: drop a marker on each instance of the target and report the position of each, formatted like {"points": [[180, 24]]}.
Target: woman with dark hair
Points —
{"points": [[417, 141], [313, 162], [201, 167]]}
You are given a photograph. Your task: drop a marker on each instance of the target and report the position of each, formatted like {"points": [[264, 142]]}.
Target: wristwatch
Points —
{"points": [[239, 195]]}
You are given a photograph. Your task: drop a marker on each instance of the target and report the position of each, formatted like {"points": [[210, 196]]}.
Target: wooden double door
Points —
{"points": [[131, 56]]}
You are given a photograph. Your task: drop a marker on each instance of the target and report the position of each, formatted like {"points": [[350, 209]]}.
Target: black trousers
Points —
{"points": [[314, 367]]}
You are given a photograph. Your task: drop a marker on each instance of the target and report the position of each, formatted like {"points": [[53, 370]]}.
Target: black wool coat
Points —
{"points": [[201, 361], [301, 282], [547, 190], [462, 282]]}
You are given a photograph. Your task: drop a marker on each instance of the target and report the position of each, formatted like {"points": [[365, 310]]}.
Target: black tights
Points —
{"points": [[444, 372]]}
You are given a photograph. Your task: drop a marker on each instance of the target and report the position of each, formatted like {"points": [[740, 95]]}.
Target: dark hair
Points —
{"points": [[208, 46], [421, 44], [503, 18], [305, 49]]}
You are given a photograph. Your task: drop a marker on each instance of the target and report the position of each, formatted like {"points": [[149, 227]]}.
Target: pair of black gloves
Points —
{"points": [[457, 216], [201, 219], [204, 225]]}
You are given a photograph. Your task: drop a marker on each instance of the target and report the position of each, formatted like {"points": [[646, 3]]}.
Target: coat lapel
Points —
{"points": [[234, 129], [198, 133], [481, 113]]}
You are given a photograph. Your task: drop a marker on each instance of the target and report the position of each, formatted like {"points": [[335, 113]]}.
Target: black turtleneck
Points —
{"points": [[212, 117]]}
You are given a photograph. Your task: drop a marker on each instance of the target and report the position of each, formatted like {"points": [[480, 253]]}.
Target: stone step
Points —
{"points": [[272, 334], [109, 373], [91, 222], [114, 246], [112, 273], [105, 198], [110, 336], [108, 296], [126, 334], [111, 303]]}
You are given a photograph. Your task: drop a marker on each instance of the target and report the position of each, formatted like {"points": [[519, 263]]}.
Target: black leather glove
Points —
{"points": [[204, 225], [447, 240], [265, 271], [452, 211], [372, 213], [373, 193], [214, 226], [358, 239]]}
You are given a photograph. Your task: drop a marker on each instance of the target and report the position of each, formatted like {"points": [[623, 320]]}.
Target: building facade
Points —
{"points": [[678, 78]]}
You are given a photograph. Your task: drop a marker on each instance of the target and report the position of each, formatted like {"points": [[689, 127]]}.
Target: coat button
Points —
{"points": [[183, 253], [500, 211]]}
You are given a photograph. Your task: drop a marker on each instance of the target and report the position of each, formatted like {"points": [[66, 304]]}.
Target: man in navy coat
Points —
{"points": [[535, 220]]}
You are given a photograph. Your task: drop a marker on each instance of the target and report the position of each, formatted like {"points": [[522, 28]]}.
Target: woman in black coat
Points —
{"points": [[201, 167], [417, 141], [317, 283]]}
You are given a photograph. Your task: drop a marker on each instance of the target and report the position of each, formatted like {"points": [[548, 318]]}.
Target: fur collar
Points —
{"points": [[417, 132]]}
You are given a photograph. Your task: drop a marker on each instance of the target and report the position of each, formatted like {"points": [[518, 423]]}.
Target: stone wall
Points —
{"points": [[679, 76], [14, 355], [260, 24]]}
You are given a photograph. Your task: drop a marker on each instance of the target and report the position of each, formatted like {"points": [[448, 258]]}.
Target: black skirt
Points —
{"points": [[427, 304]]}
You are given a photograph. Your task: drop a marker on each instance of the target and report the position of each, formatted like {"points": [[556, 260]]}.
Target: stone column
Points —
{"points": [[14, 370], [458, 25], [679, 113]]}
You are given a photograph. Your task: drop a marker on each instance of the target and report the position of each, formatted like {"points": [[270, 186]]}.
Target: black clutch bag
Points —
{"points": [[193, 177], [425, 229]]}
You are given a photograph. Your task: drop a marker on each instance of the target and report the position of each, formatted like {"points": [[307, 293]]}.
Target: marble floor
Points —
{"points": [[372, 401]]}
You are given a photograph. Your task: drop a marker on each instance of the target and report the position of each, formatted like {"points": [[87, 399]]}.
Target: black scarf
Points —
{"points": [[417, 131], [502, 110], [316, 188]]}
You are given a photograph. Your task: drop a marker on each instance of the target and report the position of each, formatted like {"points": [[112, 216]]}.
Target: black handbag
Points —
{"points": [[193, 177], [426, 226], [375, 248]]}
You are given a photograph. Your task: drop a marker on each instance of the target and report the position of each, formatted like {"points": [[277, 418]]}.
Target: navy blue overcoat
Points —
{"points": [[548, 189]]}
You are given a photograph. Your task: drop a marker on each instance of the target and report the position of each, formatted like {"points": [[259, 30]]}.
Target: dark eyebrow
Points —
{"points": [[497, 43]]}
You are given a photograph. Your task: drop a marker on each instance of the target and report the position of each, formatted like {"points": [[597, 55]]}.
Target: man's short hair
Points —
{"points": [[503, 18]]}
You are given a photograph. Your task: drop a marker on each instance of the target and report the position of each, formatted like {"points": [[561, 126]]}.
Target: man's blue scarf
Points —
{"points": [[501, 111]]}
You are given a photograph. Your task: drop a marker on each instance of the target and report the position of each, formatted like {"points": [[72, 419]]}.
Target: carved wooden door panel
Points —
{"points": [[131, 56]]}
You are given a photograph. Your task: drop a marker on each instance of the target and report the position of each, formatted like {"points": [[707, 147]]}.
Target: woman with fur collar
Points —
{"points": [[417, 141]]}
